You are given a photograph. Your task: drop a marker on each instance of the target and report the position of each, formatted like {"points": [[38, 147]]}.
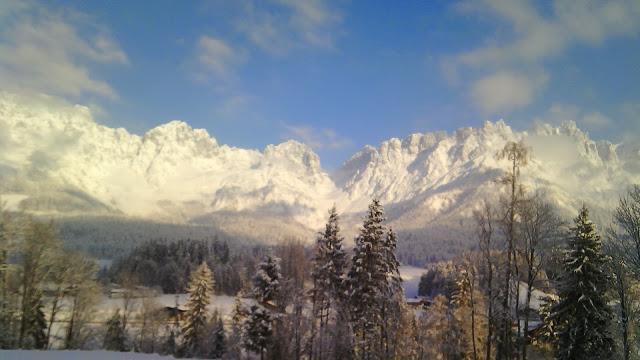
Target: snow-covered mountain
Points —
{"points": [[55, 159]]}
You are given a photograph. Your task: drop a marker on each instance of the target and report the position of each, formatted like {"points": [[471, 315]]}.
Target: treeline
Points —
{"points": [[111, 237], [41, 284], [537, 287], [167, 265], [337, 306]]}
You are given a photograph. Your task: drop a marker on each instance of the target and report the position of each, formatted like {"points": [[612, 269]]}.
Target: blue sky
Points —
{"points": [[334, 74]]}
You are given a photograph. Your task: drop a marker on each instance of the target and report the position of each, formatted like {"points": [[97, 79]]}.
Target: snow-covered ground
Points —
{"points": [[222, 303], [76, 355], [537, 297], [411, 279]]}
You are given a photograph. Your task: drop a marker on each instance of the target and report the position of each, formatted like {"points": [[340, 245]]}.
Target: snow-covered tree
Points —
{"points": [[195, 319], [582, 317], [393, 297], [468, 303], [115, 338], [217, 338], [234, 340], [258, 330], [38, 245], [373, 278], [327, 292], [266, 282]]}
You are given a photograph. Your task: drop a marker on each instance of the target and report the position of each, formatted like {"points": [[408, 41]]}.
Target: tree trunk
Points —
{"points": [[525, 341], [52, 316], [473, 323], [624, 315]]}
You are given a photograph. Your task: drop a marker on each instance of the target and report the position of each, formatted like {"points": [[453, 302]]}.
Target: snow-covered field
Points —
{"points": [[76, 355], [411, 279], [223, 303]]}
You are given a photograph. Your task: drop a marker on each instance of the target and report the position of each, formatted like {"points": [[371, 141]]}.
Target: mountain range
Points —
{"points": [[56, 160]]}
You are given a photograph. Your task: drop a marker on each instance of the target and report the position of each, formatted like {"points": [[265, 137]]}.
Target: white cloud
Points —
{"points": [[559, 113], [289, 24], [317, 138], [215, 58], [42, 50], [504, 91], [596, 120], [537, 35], [630, 120]]}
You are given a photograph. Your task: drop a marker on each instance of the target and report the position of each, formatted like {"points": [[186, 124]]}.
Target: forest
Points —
{"points": [[537, 286]]}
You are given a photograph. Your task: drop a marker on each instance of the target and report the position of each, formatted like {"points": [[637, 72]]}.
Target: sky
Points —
{"points": [[334, 74]]}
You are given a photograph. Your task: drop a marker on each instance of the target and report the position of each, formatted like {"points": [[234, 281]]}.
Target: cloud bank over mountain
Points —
{"points": [[56, 160]]}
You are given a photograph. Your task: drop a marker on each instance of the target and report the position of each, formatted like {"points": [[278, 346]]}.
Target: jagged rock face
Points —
{"points": [[173, 172], [56, 159]]}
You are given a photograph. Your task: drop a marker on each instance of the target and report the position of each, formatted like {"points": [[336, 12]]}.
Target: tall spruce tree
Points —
{"points": [[327, 292], [369, 284], [195, 323], [218, 341], [234, 339], [258, 330], [582, 317], [391, 307]]}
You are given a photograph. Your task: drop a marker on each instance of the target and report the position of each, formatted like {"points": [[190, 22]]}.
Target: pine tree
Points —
{"points": [[393, 297], [115, 338], [368, 283], [170, 346], [234, 340], [327, 292], [200, 290], [218, 338], [39, 244], [266, 282], [258, 330], [392, 263], [582, 317]]}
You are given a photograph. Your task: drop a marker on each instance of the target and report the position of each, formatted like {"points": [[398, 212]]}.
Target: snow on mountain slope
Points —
{"points": [[52, 152], [437, 176], [55, 158]]}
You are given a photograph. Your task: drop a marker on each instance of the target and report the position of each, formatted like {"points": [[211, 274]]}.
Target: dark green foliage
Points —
{"points": [[374, 285], [582, 317], [219, 345], [170, 346], [267, 280], [168, 264], [438, 280], [196, 317], [115, 338], [258, 330], [37, 325], [329, 263]]}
